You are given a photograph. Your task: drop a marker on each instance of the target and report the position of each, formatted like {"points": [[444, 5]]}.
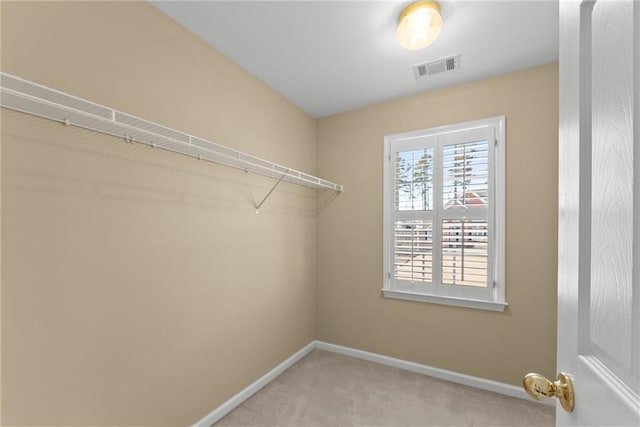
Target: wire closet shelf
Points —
{"points": [[41, 101]]}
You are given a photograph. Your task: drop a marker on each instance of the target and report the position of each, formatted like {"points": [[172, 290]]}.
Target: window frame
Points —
{"points": [[493, 297]]}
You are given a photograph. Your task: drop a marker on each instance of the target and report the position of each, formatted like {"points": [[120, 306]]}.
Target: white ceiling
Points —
{"points": [[332, 56]]}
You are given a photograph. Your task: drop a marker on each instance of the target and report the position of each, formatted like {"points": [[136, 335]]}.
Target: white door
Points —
{"points": [[599, 211]]}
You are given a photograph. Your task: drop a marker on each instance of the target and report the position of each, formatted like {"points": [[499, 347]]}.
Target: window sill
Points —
{"points": [[435, 299]]}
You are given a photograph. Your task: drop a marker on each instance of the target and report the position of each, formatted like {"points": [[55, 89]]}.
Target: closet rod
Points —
{"points": [[38, 100]]}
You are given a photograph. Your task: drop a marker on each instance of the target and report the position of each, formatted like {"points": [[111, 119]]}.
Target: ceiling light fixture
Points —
{"points": [[420, 24]]}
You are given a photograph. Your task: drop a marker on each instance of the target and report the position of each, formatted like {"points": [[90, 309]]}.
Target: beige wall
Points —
{"points": [[351, 311], [139, 286]]}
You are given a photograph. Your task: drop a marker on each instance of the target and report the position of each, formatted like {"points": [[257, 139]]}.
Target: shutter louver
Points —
{"points": [[413, 251], [466, 175], [414, 180], [464, 252]]}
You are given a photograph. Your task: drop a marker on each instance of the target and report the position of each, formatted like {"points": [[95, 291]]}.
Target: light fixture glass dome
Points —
{"points": [[420, 24]]}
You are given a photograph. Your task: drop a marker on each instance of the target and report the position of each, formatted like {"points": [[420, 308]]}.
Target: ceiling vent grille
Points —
{"points": [[436, 66]]}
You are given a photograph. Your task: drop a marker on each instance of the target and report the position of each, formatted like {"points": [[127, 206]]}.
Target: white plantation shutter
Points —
{"points": [[440, 234], [465, 194], [413, 204]]}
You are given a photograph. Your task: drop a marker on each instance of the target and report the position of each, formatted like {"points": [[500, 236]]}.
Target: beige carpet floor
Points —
{"points": [[328, 389]]}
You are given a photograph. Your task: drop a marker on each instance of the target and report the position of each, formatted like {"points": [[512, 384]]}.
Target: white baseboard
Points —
{"points": [[443, 374], [236, 400]]}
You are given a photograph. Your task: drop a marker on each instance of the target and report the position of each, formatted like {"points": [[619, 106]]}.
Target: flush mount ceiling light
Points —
{"points": [[420, 24]]}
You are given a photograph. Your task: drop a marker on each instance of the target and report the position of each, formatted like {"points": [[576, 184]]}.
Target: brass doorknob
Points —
{"points": [[540, 388]]}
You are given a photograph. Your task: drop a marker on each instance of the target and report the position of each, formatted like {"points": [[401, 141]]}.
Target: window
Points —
{"points": [[444, 215]]}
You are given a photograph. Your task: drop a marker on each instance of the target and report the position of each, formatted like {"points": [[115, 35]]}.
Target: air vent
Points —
{"points": [[436, 66]]}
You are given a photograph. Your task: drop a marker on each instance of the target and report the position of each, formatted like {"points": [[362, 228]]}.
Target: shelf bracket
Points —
{"points": [[259, 205]]}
